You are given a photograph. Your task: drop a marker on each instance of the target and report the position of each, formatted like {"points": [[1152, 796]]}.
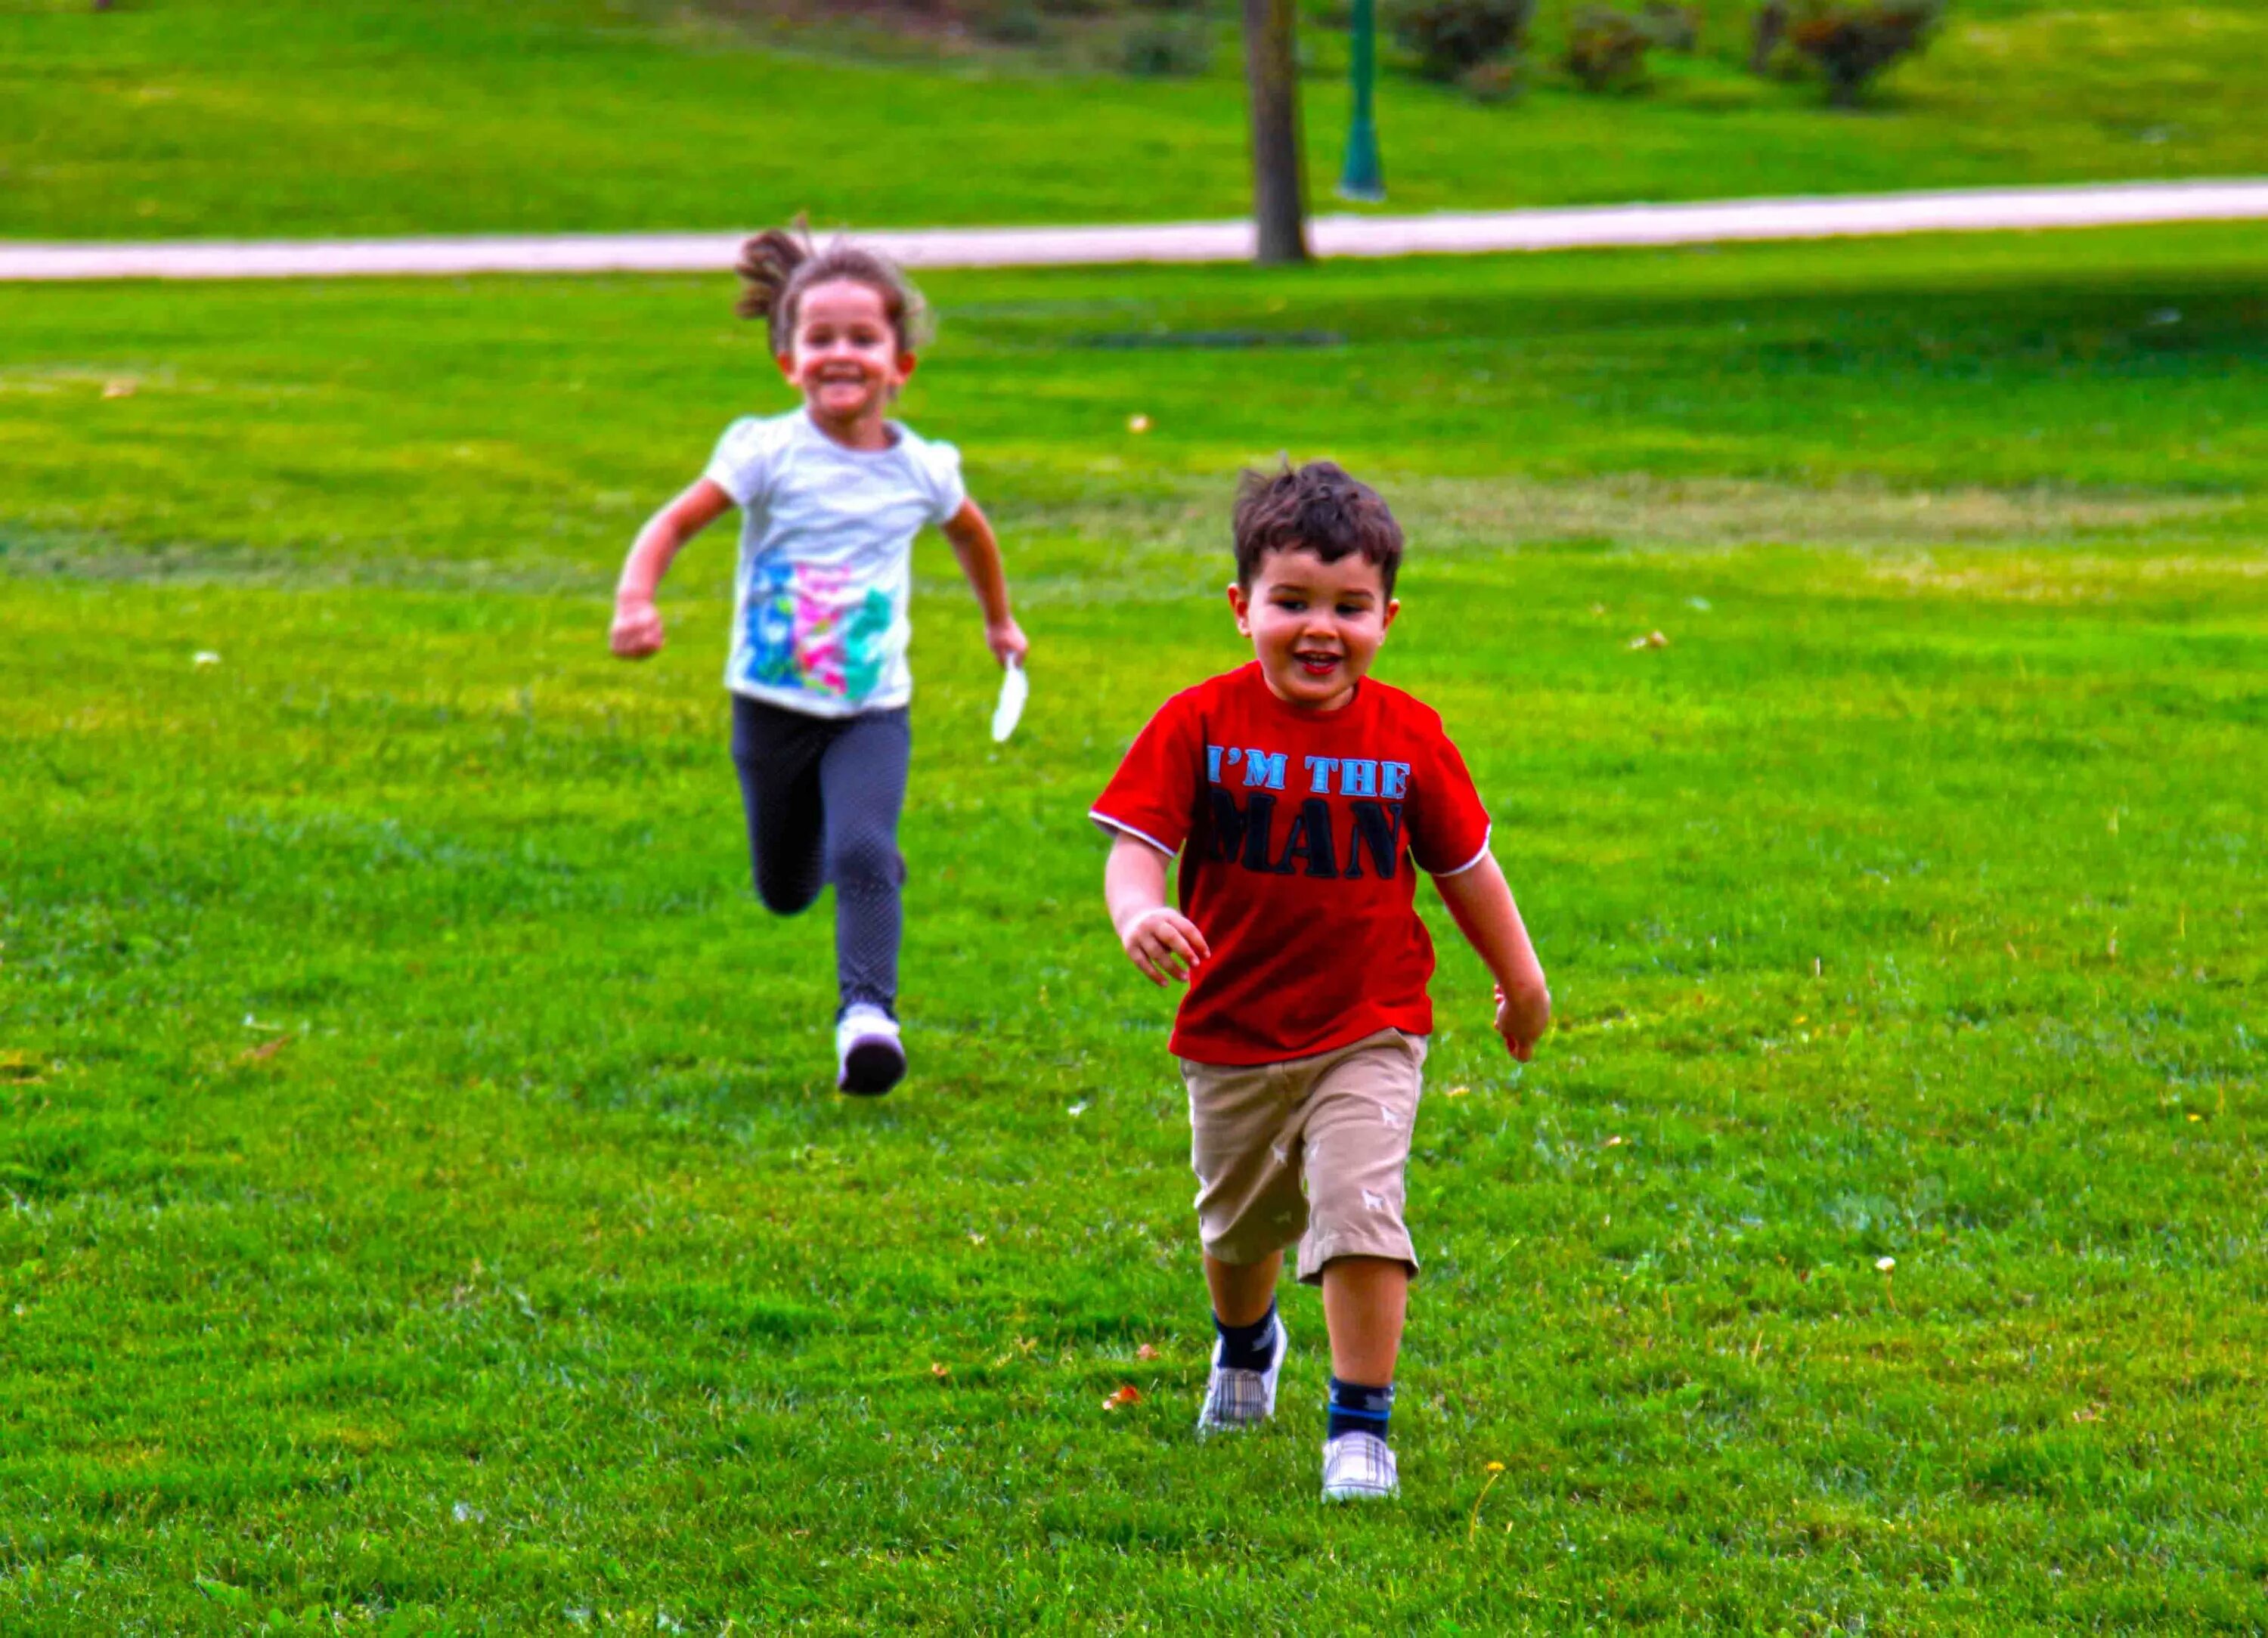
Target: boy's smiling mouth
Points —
{"points": [[1317, 664]]}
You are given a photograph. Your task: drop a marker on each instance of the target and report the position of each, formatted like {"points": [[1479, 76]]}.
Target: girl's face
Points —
{"points": [[1315, 626], [844, 356]]}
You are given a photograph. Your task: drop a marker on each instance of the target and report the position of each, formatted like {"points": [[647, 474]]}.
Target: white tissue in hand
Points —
{"points": [[1015, 689]]}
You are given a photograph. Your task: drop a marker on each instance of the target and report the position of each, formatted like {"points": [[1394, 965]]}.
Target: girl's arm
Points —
{"points": [[1159, 939], [638, 624], [1481, 901], [979, 552]]}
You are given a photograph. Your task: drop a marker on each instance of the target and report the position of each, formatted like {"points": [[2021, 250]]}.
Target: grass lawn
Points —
{"points": [[425, 1209], [185, 118]]}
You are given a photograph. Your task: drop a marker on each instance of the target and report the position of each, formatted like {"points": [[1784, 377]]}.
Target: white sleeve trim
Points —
{"points": [[1468, 863], [1108, 823]]}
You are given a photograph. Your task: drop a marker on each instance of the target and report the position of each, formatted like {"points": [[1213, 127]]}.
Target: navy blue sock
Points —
{"points": [[1359, 1409], [1248, 1347]]}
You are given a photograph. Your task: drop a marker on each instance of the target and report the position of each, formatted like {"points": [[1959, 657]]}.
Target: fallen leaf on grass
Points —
{"points": [[940, 1372], [1146, 1352], [264, 1051], [1138, 424], [120, 388], [1652, 640], [1124, 1396], [1459, 1092]]}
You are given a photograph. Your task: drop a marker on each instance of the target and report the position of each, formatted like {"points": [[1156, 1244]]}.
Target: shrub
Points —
{"points": [[1160, 48], [1496, 81], [1674, 27], [1450, 38], [1850, 44], [1606, 50], [1018, 23]]}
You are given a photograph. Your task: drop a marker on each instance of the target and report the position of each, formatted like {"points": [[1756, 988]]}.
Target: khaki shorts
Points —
{"points": [[1339, 1122]]}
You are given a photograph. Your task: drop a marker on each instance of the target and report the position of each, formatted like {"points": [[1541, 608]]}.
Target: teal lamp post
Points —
{"points": [[1363, 179]]}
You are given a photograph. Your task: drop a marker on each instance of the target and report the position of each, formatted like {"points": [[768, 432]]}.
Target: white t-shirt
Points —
{"points": [[822, 623]]}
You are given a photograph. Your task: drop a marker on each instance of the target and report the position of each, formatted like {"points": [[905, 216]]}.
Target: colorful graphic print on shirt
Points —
{"points": [[817, 630]]}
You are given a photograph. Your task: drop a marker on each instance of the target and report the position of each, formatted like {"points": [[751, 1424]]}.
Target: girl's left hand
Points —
{"points": [[1005, 638]]}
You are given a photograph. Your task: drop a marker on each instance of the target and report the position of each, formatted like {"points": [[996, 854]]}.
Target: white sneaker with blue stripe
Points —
{"points": [[1359, 1467]]}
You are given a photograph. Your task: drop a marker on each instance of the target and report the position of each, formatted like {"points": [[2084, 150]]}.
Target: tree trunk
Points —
{"points": [[1770, 28], [1279, 183]]}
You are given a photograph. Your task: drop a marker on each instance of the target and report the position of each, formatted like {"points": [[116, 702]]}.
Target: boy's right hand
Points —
{"points": [[638, 628], [1165, 945]]}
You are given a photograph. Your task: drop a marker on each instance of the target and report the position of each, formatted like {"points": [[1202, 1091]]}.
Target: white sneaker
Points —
{"points": [[1359, 1467], [869, 1057], [1241, 1399]]}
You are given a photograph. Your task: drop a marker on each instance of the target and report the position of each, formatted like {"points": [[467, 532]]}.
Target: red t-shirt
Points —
{"points": [[1301, 834]]}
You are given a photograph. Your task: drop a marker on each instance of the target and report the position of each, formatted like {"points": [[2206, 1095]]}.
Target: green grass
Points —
{"points": [[1942, 389], [425, 1209], [171, 118]]}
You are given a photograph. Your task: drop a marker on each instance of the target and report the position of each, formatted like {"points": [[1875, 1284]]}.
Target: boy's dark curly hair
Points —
{"points": [[779, 264], [1315, 508]]}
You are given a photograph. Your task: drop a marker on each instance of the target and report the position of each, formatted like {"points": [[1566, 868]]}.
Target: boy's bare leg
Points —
{"points": [[1365, 1302], [1243, 1291]]}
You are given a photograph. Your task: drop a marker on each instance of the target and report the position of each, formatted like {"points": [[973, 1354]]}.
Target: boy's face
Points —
{"points": [[844, 356], [1315, 626]]}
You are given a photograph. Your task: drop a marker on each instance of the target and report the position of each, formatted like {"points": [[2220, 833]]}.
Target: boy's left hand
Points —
{"points": [[1005, 638], [1522, 1020]]}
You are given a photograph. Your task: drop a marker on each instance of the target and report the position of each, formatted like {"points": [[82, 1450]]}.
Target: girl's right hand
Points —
{"points": [[1165, 945], [638, 628]]}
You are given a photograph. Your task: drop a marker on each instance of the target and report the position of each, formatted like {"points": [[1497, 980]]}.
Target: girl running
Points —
{"points": [[831, 496]]}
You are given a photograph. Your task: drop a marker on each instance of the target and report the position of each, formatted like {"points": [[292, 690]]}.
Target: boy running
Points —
{"points": [[1303, 798]]}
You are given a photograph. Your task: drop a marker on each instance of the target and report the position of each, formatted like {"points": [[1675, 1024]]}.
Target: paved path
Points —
{"points": [[1965, 211]]}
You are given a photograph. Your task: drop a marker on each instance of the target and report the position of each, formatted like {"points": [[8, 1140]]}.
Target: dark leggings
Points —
{"points": [[823, 795]]}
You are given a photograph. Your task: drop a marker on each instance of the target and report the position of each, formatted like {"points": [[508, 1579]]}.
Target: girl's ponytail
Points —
{"points": [[778, 265], [767, 261]]}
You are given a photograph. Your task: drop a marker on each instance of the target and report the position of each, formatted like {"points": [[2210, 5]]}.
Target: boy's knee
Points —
{"points": [[1354, 1217]]}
